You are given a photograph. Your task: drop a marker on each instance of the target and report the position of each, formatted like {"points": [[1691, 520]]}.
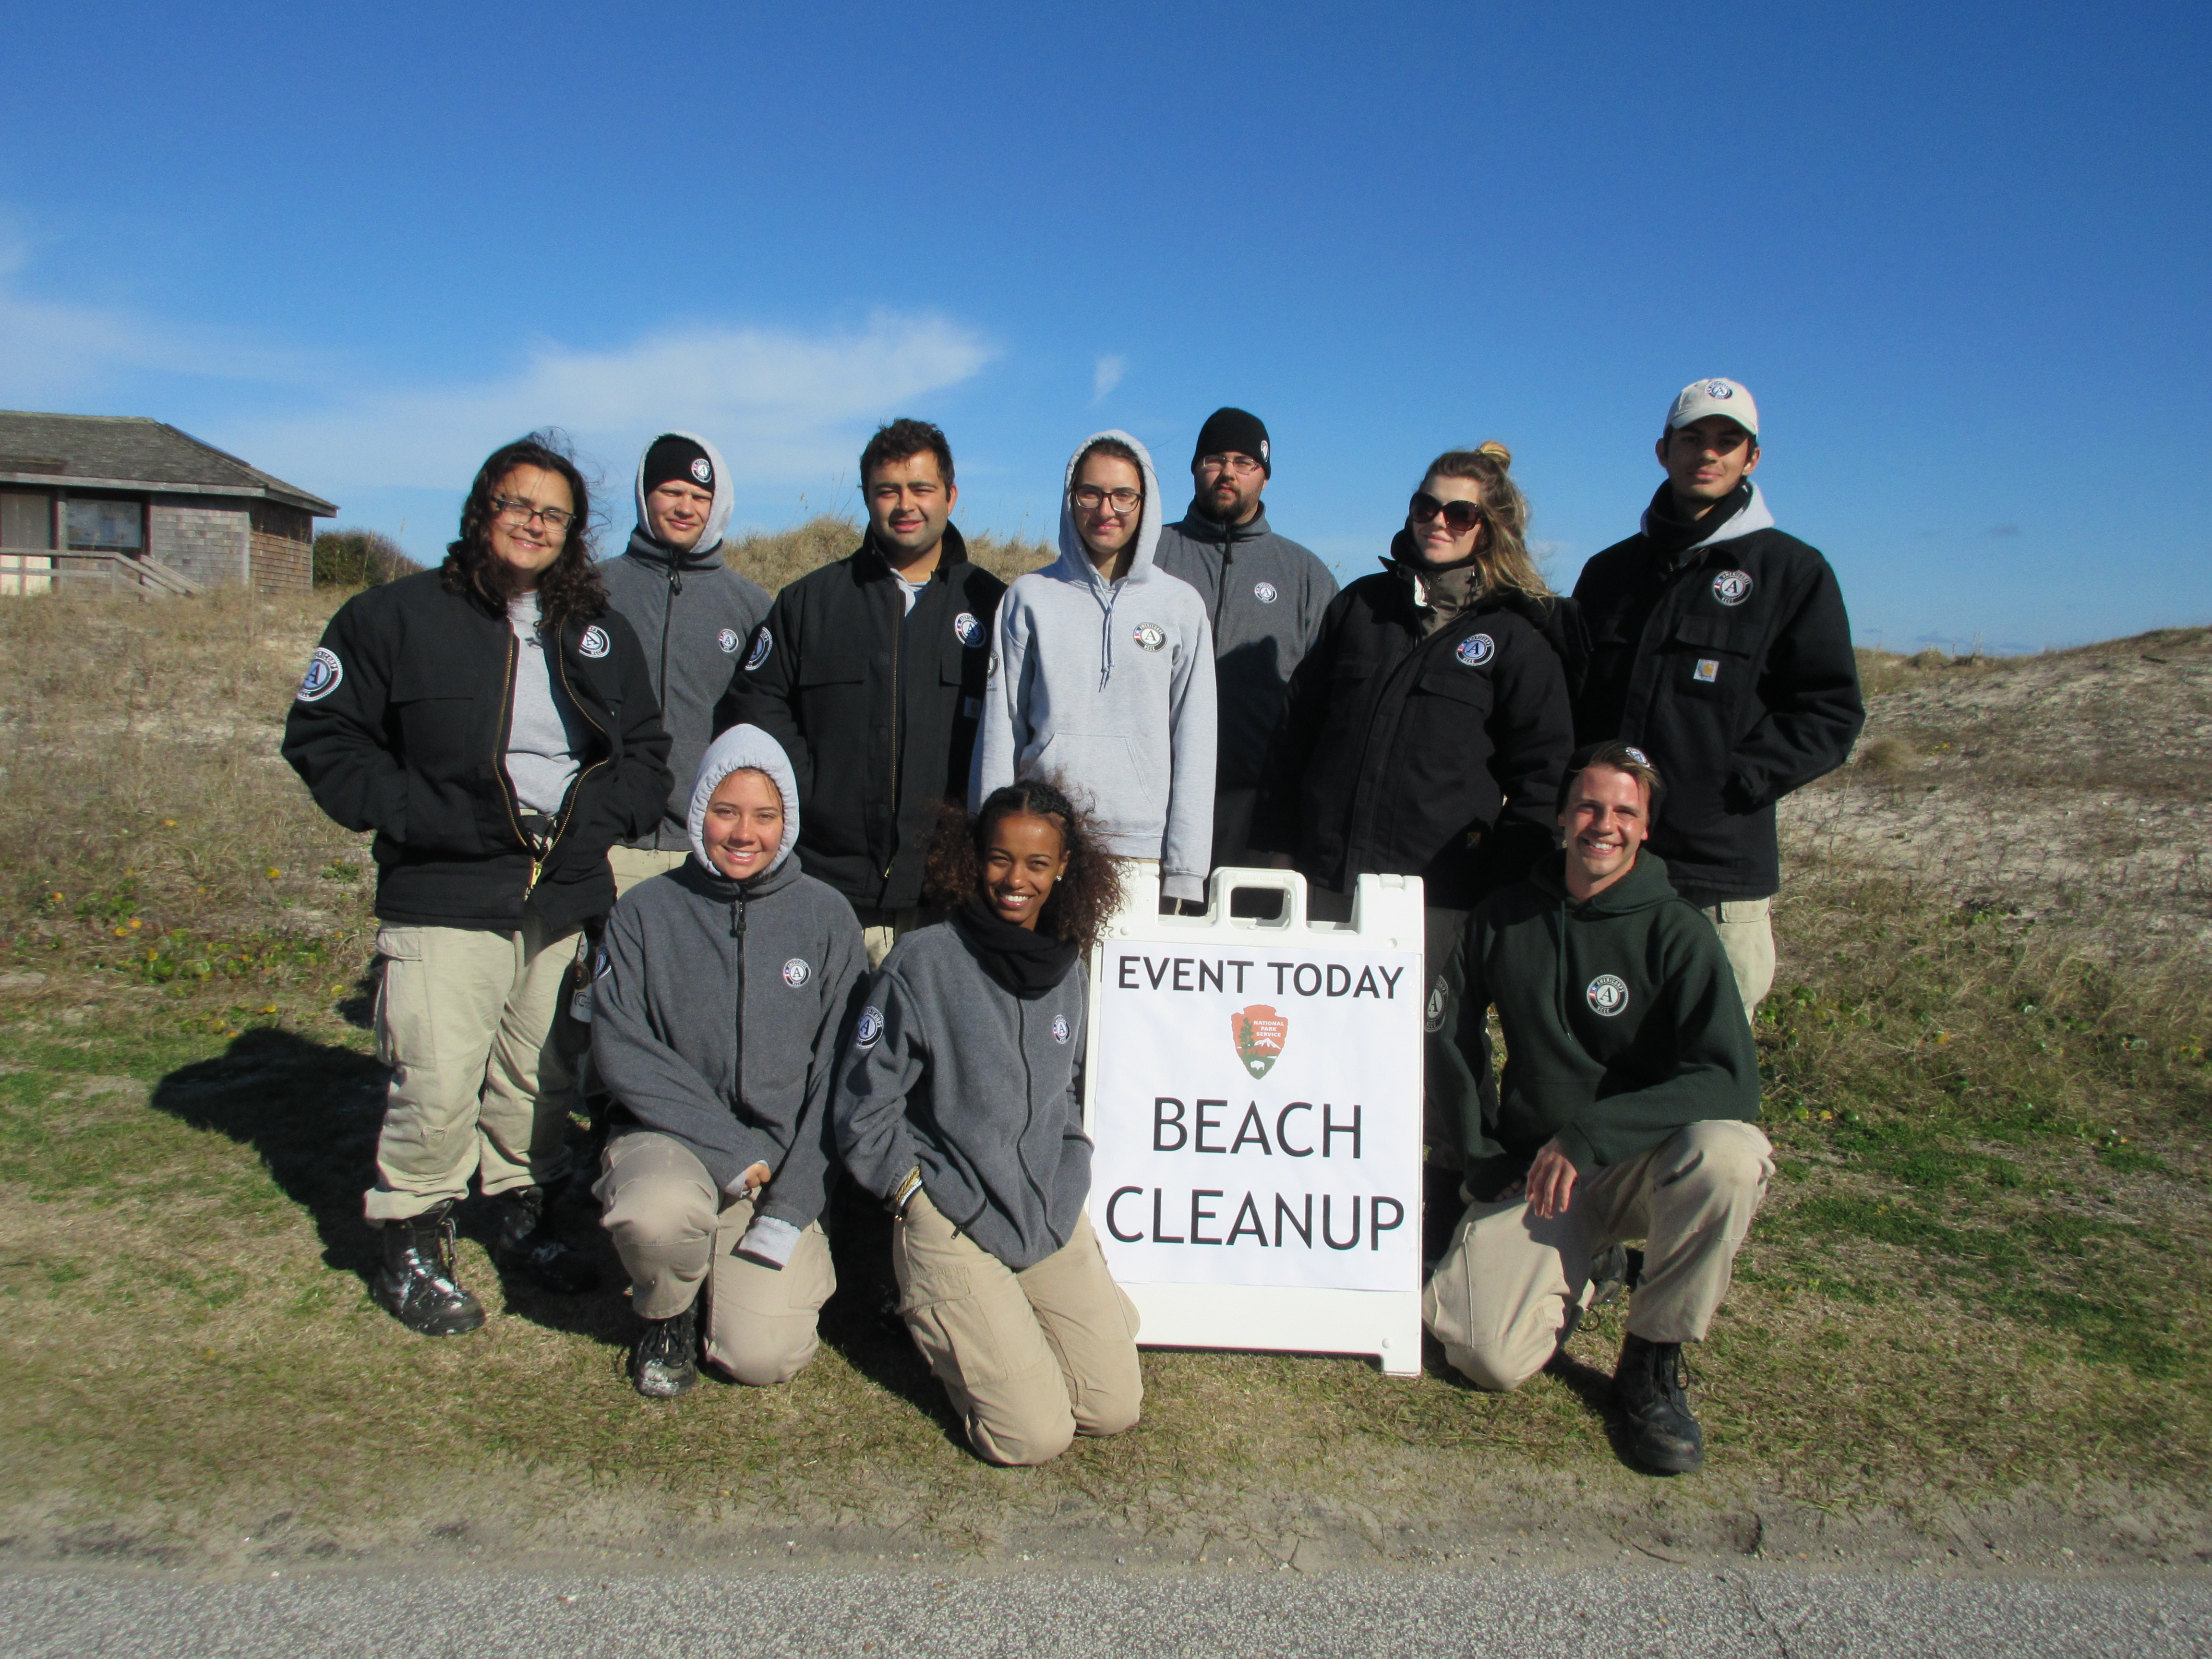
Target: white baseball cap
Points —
{"points": [[1702, 397]]}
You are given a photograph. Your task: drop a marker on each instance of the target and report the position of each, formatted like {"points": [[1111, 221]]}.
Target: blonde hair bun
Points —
{"points": [[1498, 452]]}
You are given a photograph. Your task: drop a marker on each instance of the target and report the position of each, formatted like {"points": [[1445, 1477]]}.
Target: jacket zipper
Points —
{"points": [[499, 764], [738, 906], [898, 630], [560, 823], [1029, 1116]]}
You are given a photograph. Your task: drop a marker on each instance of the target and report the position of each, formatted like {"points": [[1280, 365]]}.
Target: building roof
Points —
{"points": [[130, 452]]}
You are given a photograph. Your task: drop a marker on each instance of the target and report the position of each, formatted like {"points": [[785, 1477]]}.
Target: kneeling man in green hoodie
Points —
{"points": [[1628, 1110]]}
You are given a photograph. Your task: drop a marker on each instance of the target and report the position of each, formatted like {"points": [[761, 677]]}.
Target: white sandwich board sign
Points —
{"points": [[1253, 1091]]}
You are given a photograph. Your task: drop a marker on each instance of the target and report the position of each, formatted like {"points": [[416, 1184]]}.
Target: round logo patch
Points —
{"points": [[703, 470], [1475, 650], [1059, 1028], [1732, 586], [325, 670], [595, 642], [1264, 591], [967, 629], [1607, 995], [796, 973], [1719, 389], [1150, 636], [763, 642], [727, 639], [870, 1028]]}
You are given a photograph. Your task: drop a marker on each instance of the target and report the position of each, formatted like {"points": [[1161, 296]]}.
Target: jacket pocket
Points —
{"points": [[1112, 771], [1710, 661]]}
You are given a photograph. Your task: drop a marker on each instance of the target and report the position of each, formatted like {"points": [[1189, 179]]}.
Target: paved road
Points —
{"points": [[983, 1614]]}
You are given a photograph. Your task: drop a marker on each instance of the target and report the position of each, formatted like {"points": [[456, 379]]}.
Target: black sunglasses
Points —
{"points": [[1460, 517]]}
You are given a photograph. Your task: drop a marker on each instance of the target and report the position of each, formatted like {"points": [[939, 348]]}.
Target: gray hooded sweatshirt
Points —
{"points": [[696, 617], [717, 1003], [1264, 595], [1108, 689], [983, 1091]]}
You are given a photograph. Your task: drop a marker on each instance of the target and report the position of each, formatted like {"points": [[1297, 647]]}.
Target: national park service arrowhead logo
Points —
{"points": [[1260, 1033]]}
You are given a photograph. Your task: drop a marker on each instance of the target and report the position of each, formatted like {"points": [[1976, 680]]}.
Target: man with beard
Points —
{"points": [[1264, 594], [1720, 647]]}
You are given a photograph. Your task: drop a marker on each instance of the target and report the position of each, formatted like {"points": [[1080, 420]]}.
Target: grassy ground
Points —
{"points": [[1972, 1320]]}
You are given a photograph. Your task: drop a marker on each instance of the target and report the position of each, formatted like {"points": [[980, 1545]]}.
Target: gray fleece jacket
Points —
{"points": [[1264, 596], [717, 1003], [696, 617], [1107, 688], [949, 1072]]}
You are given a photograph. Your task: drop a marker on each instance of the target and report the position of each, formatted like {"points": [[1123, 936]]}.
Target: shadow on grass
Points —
{"points": [[310, 1110], [861, 1321]]}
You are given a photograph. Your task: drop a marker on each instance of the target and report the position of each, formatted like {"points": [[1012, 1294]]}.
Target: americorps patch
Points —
{"points": [[1150, 636], [1059, 1028], [1264, 591], [1607, 995], [325, 670], [1732, 586], [967, 629], [796, 973], [727, 639], [595, 642], [763, 642], [870, 1028], [1475, 650]]}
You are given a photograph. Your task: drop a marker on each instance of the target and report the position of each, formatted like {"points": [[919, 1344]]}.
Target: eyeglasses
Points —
{"points": [[554, 519], [1460, 517], [1243, 466], [1090, 498]]}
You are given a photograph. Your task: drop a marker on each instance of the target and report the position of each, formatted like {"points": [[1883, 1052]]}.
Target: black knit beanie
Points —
{"points": [[1232, 431], [672, 457]]}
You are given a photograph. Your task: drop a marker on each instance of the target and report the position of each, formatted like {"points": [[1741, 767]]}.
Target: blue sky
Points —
{"points": [[1959, 253]]}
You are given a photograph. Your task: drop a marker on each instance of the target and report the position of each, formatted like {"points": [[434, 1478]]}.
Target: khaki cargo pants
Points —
{"points": [[677, 1234], [881, 929], [1032, 1358], [1746, 931], [465, 1019], [1500, 1296], [632, 864]]}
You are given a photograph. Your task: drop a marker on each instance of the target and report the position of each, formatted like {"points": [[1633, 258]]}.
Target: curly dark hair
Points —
{"points": [[1083, 901], [901, 440], [571, 585]]}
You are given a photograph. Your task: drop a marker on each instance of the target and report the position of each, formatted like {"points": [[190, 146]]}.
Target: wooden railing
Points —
{"points": [[42, 570]]}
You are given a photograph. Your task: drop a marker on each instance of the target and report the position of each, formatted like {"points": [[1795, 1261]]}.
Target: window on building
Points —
{"points": [[26, 520], [116, 525]]}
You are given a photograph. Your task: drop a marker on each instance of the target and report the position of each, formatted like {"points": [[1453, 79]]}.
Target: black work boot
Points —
{"points": [[665, 1361], [528, 1245], [1647, 1385], [416, 1285]]}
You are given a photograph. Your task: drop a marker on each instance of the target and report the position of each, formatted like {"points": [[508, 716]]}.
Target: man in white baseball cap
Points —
{"points": [[1720, 646]]}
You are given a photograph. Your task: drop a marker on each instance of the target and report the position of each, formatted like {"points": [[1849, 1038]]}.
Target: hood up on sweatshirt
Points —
{"points": [[645, 544], [737, 749], [1074, 562]]}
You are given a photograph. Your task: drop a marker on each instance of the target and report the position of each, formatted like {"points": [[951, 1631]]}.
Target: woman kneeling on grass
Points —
{"points": [[719, 1165], [960, 1103]]}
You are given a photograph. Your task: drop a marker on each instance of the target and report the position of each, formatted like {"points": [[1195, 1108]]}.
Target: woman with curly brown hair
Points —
{"points": [[494, 725], [959, 1102]]}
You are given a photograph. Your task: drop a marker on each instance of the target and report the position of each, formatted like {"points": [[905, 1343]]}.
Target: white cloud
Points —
{"points": [[56, 351], [779, 405], [1107, 375]]}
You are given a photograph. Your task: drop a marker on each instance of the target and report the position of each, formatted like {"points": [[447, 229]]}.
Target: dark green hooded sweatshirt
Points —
{"points": [[1621, 1020]]}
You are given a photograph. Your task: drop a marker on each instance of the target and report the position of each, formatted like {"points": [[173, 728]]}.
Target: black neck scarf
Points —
{"points": [[1672, 533], [1027, 963]]}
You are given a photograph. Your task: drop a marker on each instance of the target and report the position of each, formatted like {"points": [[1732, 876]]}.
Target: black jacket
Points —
{"points": [[877, 707], [402, 726], [1265, 596], [1439, 758], [1732, 667]]}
